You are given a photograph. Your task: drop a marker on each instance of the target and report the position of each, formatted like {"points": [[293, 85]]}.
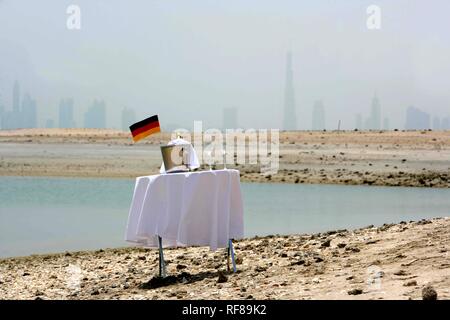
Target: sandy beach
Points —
{"points": [[385, 158], [387, 262]]}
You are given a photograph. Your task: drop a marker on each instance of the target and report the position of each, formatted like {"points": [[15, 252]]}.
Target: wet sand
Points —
{"points": [[386, 262], [385, 158]]}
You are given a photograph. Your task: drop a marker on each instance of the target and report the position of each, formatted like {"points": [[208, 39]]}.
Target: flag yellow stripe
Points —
{"points": [[144, 134]]}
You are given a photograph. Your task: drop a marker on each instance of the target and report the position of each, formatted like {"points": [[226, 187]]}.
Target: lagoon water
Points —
{"points": [[42, 215]]}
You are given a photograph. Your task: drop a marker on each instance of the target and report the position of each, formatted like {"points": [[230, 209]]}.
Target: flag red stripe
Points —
{"points": [[145, 128]]}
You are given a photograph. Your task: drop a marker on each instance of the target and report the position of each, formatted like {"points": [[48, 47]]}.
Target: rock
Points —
{"points": [[283, 255], [352, 249], [239, 260], [410, 283], [326, 243], [355, 292], [318, 259], [38, 293], [400, 273], [142, 258], [157, 282], [428, 293], [221, 277], [181, 266], [25, 274], [95, 292], [298, 262], [181, 293], [260, 269], [341, 245]]}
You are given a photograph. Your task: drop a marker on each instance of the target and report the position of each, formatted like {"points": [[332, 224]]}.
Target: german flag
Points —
{"points": [[144, 128]]}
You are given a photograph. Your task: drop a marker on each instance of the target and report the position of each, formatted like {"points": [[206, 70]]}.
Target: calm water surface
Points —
{"points": [[41, 215]]}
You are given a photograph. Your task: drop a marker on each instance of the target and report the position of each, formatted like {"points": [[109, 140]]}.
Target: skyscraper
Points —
{"points": [[230, 116], [375, 114], [29, 112], [14, 119], [128, 118], [290, 118], [318, 116], [416, 119], [66, 114], [95, 116]]}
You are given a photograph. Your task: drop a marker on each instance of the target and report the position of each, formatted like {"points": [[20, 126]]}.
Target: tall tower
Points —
{"points": [[95, 116], [28, 112], [375, 114], [290, 118]]}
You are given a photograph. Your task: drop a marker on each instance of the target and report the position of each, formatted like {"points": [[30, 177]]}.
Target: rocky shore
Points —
{"points": [[408, 260], [383, 158]]}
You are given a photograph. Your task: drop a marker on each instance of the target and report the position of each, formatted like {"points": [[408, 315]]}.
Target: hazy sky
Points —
{"points": [[185, 60]]}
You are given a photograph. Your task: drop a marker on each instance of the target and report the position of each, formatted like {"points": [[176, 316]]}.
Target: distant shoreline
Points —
{"points": [[245, 178], [382, 158], [404, 257]]}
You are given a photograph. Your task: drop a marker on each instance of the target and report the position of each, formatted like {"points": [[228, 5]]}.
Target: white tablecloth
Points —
{"points": [[193, 208]]}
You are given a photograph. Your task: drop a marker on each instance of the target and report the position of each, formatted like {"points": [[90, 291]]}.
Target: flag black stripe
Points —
{"points": [[144, 122]]}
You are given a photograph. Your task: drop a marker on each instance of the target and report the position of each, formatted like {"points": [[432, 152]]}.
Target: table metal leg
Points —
{"points": [[162, 264], [228, 258], [231, 249]]}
